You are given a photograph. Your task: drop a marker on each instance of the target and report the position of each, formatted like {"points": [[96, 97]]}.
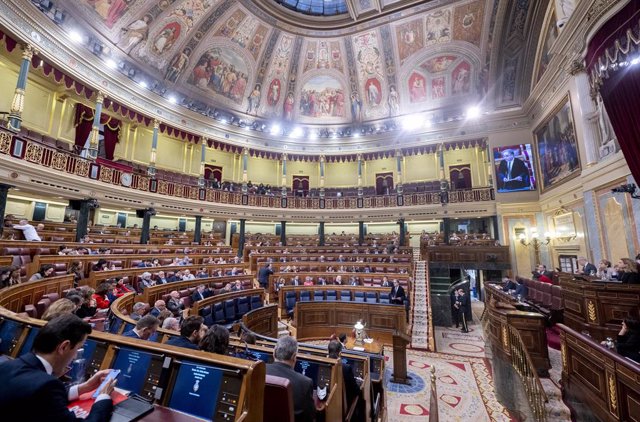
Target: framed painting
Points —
{"points": [[514, 168], [557, 147]]}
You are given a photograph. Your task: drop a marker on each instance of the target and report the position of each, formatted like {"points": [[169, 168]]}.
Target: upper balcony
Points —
{"points": [[28, 162]]}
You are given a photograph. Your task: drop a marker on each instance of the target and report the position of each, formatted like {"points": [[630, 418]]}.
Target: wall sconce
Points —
{"points": [[535, 240]]}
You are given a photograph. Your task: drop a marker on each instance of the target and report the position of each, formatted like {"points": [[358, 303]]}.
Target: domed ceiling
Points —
{"points": [[234, 55], [354, 77]]}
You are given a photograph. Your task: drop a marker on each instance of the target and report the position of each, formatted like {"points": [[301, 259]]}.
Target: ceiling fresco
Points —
{"points": [[224, 54]]}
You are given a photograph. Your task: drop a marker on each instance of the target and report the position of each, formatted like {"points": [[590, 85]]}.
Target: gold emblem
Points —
{"points": [[613, 396], [5, 142], [591, 310], [563, 352]]}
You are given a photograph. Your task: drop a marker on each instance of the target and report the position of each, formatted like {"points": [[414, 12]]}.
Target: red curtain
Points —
{"points": [[460, 176], [619, 80], [212, 172], [84, 122], [384, 183], [300, 185]]}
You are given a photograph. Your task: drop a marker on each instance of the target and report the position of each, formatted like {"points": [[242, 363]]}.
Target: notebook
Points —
{"points": [[131, 409]]}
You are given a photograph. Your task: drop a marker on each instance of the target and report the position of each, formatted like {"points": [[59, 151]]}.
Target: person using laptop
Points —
{"points": [[30, 390]]}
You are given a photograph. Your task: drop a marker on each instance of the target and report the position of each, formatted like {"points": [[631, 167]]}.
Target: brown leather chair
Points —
{"points": [[278, 400]]}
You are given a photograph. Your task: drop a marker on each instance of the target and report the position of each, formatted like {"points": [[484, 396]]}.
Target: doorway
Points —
{"points": [[384, 183]]}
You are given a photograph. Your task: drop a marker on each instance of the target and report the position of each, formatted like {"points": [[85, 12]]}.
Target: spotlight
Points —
{"points": [[473, 112], [296, 132], [111, 64], [275, 129], [410, 123], [142, 84], [172, 99], [76, 36], [313, 134]]}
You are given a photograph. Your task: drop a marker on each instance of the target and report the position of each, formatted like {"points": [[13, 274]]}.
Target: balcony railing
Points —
{"points": [[65, 162]]}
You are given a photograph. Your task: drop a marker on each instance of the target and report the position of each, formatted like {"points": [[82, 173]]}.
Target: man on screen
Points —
{"points": [[513, 173]]}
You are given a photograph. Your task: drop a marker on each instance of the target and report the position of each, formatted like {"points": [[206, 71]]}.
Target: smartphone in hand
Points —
{"points": [[112, 375]]}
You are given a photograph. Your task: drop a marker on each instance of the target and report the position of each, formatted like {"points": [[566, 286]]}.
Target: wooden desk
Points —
{"points": [[319, 320], [373, 347]]}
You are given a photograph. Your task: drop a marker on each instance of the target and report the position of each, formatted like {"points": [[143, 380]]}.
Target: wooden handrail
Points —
{"points": [[433, 397]]}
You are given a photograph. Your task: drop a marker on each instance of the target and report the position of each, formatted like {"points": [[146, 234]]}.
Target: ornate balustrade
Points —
{"points": [[34, 153]]}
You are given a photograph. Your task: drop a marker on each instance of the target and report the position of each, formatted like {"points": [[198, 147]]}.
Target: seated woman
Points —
{"points": [[59, 307], [46, 270], [216, 340], [76, 270], [628, 271], [100, 296], [605, 272], [101, 265], [628, 344]]}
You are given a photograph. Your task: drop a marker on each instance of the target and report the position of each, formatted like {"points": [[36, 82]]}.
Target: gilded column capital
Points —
{"points": [[28, 52], [576, 67], [156, 124], [100, 97]]}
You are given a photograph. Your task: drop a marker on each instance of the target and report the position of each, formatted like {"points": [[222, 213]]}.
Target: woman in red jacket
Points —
{"points": [[100, 296]]}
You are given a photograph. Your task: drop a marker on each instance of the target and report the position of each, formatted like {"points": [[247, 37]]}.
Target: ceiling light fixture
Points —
{"points": [[172, 99], [274, 129], [473, 112], [111, 64], [76, 36]]}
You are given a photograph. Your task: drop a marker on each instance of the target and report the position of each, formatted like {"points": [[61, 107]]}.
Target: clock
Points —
{"points": [[126, 179]]}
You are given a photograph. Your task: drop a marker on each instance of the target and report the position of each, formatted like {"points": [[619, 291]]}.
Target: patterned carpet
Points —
{"points": [[420, 314], [464, 384]]}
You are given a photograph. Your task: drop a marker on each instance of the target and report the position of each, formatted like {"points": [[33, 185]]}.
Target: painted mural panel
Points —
{"points": [[460, 79], [220, 70], [438, 27], [110, 11], [438, 64], [322, 96], [550, 36], [371, 73], [558, 155], [467, 22], [417, 88], [277, 76], [410, 36]]}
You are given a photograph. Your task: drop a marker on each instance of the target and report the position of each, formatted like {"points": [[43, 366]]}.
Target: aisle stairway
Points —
{"points": [[419, 304]]}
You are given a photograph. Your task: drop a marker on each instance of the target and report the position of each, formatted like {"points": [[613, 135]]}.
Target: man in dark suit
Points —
{"points": [[144, 329], [200, 293], [352, 389], [285, 354], [587, 267], [174, 304], [397, 293], [191, 332], [512, 172], [30, 390], [263, 275], [462, 305]]}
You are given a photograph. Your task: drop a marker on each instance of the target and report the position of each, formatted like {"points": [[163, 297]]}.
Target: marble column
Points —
{"points": [[587, 112], [321, 234], [403, 232], [146, 226], [245, 164], [203, 153], [284, 175], [197, 233], [241, 239], [322, 164], [360, 174], [283, 233], [94, 136], [4, 192], [399, 170], [83, 220], [17, 105], [151, 170]]}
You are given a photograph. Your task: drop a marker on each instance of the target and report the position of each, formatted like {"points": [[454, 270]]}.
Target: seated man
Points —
{"points": [[174, 304], [29, 386], [158, 307], [587, 268], [509, 284], [352, 389], [28, 231], [541, 274], [191, 332], [144, 329], [284, 355], [200, 293], [139, 309]]}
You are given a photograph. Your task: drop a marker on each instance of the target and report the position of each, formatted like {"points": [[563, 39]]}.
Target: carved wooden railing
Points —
{"points": [[36, 153], [433, 397], [521, 362]]}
